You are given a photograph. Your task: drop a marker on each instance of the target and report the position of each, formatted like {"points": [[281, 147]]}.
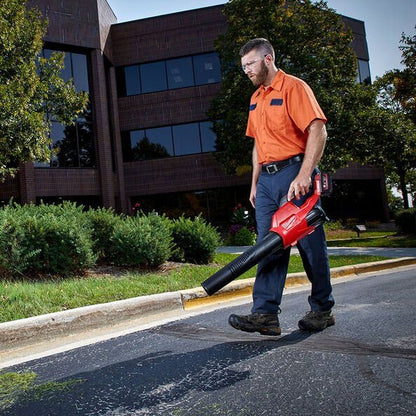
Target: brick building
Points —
{"points": [[146, 137]]}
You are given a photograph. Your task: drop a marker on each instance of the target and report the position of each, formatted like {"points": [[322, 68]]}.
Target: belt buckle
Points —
{"points": [[272, 169]]}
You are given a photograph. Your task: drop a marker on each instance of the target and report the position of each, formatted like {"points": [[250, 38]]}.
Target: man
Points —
{"points": [[288, 128]]}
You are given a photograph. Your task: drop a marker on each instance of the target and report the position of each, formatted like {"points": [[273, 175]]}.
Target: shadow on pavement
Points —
{"points": [[151, 380]]}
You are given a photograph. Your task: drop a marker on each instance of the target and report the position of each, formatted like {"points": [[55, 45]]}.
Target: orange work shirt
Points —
{"points": [[279, 117]]}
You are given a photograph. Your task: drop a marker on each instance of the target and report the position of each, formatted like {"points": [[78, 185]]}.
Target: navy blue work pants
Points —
{"points": [[272, 270]]}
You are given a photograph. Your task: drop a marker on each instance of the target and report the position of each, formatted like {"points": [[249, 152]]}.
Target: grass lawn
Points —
{"points": [[375, 240], [342, 234], [22, 299]]}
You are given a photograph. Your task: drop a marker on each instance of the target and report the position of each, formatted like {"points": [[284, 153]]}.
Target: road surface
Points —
{"points": [[364, 365]]}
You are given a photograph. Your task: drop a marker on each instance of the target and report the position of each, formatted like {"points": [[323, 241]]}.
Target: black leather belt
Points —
{"points": [[274, 167]]}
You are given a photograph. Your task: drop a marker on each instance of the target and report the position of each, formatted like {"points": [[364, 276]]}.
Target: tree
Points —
{"points": [[391, 143], [391, 126], [405, 80], [310, 42], [30, 88]]}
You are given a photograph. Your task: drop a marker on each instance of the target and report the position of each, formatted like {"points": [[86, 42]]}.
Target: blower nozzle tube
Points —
{"points": [[290, 223], [269, 244]]}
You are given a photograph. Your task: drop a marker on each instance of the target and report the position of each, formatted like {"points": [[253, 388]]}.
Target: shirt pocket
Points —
{"points": [[277, 119]]}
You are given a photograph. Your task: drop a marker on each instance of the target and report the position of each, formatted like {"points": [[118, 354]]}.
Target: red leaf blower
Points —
{"points": [[290, 223]]}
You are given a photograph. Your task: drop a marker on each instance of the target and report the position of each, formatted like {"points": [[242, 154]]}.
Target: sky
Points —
{"points": [[385, 21]]}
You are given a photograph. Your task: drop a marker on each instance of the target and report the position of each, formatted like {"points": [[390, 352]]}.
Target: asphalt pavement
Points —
{"points": [[200, 366]]}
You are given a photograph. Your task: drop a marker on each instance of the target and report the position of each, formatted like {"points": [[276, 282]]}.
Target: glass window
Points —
{"points": [[134, 146], [80, 72], [180, 73], [364, 71], [64, 145], [186, 139], [57, 131], [161, 138], [132, 78], [160, 142], [153, 77], [170, 74], [86, 143], [208, 137], [66, 72], [47, 53], [150, 144], [73, 146], [136, 137], [207, 68]]}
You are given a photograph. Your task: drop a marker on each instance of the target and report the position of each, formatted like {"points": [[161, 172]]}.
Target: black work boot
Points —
{"points": [[316, 321], [266, 324]]}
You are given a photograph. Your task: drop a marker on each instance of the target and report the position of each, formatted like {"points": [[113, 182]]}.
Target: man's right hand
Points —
{"points": [[254, 178], [253, 196]]}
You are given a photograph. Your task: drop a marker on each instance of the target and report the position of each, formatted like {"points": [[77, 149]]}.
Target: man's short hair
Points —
{"points": [[259, 44]]}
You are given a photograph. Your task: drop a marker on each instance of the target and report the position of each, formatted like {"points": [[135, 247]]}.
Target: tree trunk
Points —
{"points": [[403, 187]]}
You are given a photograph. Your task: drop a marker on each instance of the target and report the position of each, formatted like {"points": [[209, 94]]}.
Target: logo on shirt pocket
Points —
{"points": [[276, 101], [253, 106]]}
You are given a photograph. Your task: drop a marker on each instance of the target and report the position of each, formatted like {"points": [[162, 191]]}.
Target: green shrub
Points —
{"points": [[244, 237], [333, 225], [406, 220], [144, 240], [45, 239], [103, 223], [240, 235], [14, 256], [195, 240]]}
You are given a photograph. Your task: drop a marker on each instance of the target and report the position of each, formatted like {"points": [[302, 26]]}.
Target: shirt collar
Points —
{"points": [[276, 84]]}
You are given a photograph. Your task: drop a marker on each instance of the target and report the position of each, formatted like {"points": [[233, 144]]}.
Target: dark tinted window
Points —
{"points": [[80, 72], [208, 137], [136, 137], [86, 143], [148, 144], [153, 77], [207, 69], [159, 142], [132, 78], [66, 72], [161, 136], [74, 146], [58, 138], [364, 71], [186, 139], [180, 73], [170, 74]]}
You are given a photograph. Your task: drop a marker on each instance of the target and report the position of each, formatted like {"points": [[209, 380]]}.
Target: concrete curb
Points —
{"points": [[45, 327], [244, 287], [23, 332]]}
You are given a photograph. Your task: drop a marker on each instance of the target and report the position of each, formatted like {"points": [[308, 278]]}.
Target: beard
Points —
{"points": [[261, 77]]}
